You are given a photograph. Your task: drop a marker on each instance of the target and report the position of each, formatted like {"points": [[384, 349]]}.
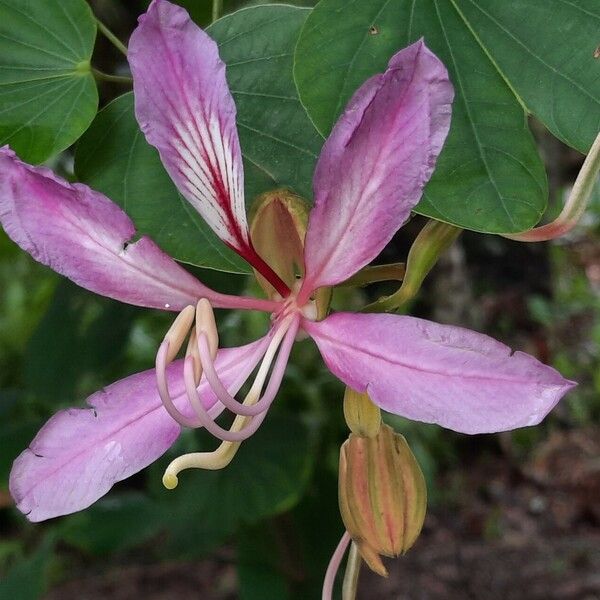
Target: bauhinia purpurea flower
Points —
{"points": [[370, 174]]}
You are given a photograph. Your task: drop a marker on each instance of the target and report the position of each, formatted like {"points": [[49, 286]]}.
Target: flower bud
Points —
{"points": [[382, 495], [362, 416], [277, 229]]}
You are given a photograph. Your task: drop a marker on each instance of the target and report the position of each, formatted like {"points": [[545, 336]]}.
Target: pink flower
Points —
{"points": [[370, 174]]}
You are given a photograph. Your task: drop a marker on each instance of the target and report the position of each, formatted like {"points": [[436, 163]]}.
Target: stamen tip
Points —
{"points": [[170, 480]]}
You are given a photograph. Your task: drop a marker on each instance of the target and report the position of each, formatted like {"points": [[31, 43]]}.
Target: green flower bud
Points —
{"points": [[362, 416], [277, 229]]}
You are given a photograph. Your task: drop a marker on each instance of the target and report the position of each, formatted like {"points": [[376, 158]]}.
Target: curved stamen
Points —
{"points": [[288, 329], [334, 565], [235, 406], [206, 422], [205, 322], [225, 453], [163, 388]]}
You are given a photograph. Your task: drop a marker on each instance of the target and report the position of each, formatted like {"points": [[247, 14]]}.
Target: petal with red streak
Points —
{"points": [[185, 109]]}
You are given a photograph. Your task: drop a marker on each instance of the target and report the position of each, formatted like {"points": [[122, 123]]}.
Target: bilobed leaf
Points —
{"points": [[279, 142], [114, 158], [547, 49], [48, 96], [489, 176], [277, 137]]}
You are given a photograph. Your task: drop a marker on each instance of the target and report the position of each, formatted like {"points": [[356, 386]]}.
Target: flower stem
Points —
{"points": [[350, 584], [112, 78], [391, 272], [334, 565], [111, 36], [433, 240], [217, 9], [574, 206]]}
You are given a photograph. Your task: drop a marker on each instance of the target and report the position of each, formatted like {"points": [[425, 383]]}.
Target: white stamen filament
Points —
{"points": [[163, 388]]}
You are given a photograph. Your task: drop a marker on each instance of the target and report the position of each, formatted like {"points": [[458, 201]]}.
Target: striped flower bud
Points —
{"points": [[382, 495]]}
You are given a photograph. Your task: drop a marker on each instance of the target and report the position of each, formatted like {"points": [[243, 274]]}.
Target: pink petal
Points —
{"points": [[375, 164], [80, 453], [83, 235], [184, 108], [441, 374]]}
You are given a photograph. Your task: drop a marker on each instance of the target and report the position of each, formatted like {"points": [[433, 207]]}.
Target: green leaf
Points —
{"points": [[27, 580], [546, 48], [279, 143], [114, 524], [277, 137], [489, 176], [47, 91], [114, 158], [261, 561], [15, 436], [267, 477], [79, 340]]}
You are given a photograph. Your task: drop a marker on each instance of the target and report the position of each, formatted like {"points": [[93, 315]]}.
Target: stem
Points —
{"points": [[391, 272], [111, 36], [112, 78], [334, 565], [574, 206], [217, 9], [433, 240], [350, 584]]}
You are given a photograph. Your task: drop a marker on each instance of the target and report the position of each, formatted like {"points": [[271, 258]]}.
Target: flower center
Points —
{"points": [[308, 310]]}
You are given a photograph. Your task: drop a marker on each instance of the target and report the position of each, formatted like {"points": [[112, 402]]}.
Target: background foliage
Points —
{"points": [[525, 72]]}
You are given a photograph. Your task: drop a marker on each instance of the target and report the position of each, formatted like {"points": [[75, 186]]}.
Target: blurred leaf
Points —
{"points": [[317, 529], [79, 335], [279, 143], [27, 288], [15, 436], [49, 96], [26, 580], [267, 477], [114, 524], [489, 176], [277, 137], [545, 48], [260, 572]]}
